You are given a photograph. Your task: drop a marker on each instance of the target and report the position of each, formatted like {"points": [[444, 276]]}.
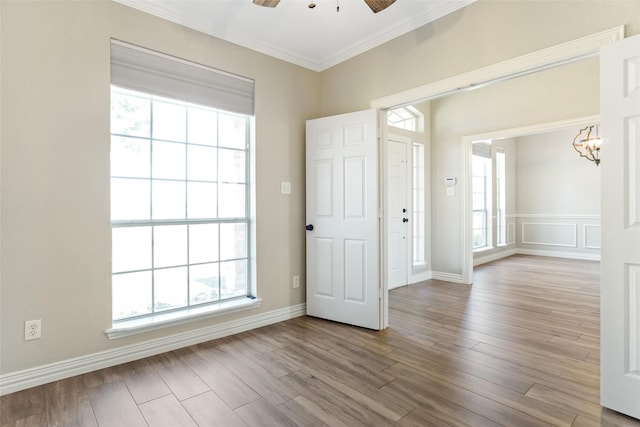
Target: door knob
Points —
{"points": [[309, 227], [404, 210], [405, 219]]}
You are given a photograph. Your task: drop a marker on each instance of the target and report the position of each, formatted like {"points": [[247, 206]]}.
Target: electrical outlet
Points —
{"points": [[296, 282], [32, 329]]}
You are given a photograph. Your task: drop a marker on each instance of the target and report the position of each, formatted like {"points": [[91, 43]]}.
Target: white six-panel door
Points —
{"points": [[620, 265], [343, 278]]}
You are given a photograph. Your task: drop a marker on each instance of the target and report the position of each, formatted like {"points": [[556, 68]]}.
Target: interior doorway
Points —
{"points": [[407, 194], [527, 227]]}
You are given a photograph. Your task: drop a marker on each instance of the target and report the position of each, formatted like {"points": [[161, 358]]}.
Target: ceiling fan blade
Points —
{"points": [[267, 3], [376, 5]]}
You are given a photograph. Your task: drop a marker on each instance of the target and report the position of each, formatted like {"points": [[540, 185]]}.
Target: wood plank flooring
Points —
{"points": [[518, 348]]}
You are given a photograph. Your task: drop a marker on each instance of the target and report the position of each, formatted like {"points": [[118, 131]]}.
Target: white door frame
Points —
{"points": [[562, 54]]}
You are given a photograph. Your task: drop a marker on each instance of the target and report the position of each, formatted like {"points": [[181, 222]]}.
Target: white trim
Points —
{"points": [[584, 235], [190, 314], [400, 29], [20, 380], [526, 64], [559, 254], [573, 244], [554, 56], [163, 10], [495, 256], [447, 277], [511, 233], [558, 216], [419, 277]]}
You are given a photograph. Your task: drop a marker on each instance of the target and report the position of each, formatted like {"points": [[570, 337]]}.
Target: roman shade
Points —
{"points": [[482, 149], [144, 70]]}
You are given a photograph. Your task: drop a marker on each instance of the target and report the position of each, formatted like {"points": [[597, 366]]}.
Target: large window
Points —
{"points": [[481, 173], [179, 190]]}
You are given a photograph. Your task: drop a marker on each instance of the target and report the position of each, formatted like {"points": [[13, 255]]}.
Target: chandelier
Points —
{"points": [[587, 145]]}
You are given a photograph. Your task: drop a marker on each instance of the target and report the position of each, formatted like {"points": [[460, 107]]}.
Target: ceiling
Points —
{"points": [[317, 38]]}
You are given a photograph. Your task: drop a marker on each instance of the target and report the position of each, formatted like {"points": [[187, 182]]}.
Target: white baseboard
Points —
{"points": [[420, 277], [559, 254], [494, 256], [32, 377], [447, 277]]}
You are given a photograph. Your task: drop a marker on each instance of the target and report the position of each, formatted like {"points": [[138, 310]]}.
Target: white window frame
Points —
{"points": [[407, 118], [223, 87], [484, 148]]}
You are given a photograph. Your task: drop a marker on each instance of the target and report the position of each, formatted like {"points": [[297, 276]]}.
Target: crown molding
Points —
{"points": [[315, 64]]}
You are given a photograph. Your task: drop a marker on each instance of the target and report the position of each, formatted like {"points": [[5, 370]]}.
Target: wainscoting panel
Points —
{"points": [[591, 236], [563, 235], [549, 234]]}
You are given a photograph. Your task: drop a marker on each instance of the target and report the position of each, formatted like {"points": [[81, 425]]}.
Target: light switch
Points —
{"points": [[285, 187], [451, 191]]}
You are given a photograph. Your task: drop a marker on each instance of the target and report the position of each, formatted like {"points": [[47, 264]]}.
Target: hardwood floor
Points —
{"points": [[518, 348]]}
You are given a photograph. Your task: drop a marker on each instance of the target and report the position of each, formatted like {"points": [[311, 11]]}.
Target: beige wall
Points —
{"points": [[481, 34], [55, 227], [55, 233]]}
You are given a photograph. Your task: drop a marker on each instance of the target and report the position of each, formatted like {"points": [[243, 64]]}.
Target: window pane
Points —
{"points": [[202, 164], [203, 243], [130, 199], [170, 288], [169, 246], [168, 200], [130, 114], [130, 157], [169, 121], [203, 283], [202, 200], [131, 248], [202, 126], [233, 241], [478, 165], [478, 184], [169, 160], [232, 163], [479, 220], [232, 131], [478, 201], [166, 164], [131, 293], [233, 278], [232, 203], [479, 238]]}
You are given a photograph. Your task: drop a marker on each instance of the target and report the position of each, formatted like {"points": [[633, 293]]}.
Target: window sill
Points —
{"points": [[163, 320], [482, 249]]}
